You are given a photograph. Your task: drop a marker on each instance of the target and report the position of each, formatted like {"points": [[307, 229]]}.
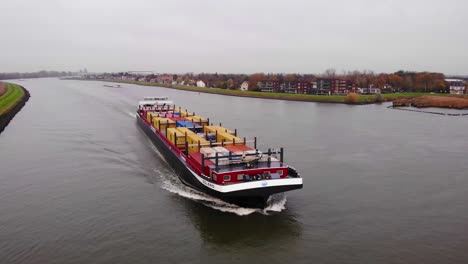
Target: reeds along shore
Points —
{"points": [[453, 102], [8, 115]]}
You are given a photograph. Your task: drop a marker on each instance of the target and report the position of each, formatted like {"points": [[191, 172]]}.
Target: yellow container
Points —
{"points": [[161, 123], [154, 120], [197, 119], [220, 129], [185, 130], [229, 139], [193, 141], [184, 113], [173, 134], [149, 115]]}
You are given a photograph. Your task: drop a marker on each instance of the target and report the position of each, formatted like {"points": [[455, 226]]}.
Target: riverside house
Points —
{"points": [[456, 86], [201, 83], [165, 78], [269, 86], [244, 86], [329, 86], [296, 87], [372, 89]]}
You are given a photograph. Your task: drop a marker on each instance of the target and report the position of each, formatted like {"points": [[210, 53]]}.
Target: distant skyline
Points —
{"points": [[241, 36]]}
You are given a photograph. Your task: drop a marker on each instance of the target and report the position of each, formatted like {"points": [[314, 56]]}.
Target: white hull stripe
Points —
{"points": [[247, 185]]}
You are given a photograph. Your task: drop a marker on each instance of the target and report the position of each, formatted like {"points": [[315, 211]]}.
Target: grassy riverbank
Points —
{"points": [[361, 99], [9, 99], [12, 98]]}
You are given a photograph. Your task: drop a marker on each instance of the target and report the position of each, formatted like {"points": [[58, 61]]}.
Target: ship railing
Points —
{"points": [[232, 157], [222, 143]]}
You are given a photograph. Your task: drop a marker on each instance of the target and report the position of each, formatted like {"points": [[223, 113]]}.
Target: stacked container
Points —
{"points": [[189, 125], [161, 123], [223, 155], [229, 139], [193, 139], [176, 137], [208, 152], [219, 129], [197, 119]]}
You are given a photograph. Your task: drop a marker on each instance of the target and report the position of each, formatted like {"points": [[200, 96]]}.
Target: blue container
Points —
{"points": [[184, 124], [194, 127], [211, 137]]}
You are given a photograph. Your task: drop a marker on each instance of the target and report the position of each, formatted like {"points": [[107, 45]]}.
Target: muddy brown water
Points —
{"points": [[81, 183]]}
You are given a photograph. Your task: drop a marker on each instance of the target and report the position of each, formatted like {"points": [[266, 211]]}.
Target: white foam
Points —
{"points": [[276, 203], [131, 114], [175, 186]]}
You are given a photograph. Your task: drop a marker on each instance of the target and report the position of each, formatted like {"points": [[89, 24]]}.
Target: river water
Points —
{"points": [[81, 183]]}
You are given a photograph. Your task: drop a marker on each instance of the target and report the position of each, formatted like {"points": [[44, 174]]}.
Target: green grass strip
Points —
{"points": [[10, 98], [363, 99]]}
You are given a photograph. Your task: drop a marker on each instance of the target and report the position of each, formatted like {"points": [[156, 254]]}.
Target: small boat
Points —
{"points": [[112, 86], [213, 159]]}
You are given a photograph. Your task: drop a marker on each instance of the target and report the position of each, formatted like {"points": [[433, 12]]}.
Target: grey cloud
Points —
{"points": [[234, 36]]}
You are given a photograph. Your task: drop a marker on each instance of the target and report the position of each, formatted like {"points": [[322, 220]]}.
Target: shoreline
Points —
{"points": [[404, 108], [331, 99], [6, 117]]}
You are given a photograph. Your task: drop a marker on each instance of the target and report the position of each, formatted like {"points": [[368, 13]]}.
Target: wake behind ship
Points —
{"points": [[213, 159]]}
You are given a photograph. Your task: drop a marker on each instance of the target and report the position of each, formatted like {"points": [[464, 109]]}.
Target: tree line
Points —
{"points": [[403, 81], [39, 74]]}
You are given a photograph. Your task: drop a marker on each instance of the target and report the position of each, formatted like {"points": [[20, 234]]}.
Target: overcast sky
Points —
{"points": [[241, 36]]}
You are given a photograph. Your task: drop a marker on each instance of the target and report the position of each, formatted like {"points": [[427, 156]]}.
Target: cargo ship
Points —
{"points": [[214, 159]]}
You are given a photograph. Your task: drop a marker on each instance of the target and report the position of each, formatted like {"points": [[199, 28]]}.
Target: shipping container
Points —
{"points": [[219, 129], [185, 130], [196, 142], [150, 115], [161, 123], [229, 139], [192, 126], [176, 118], [197, 119], [221, 151], [176, 137], [184, 113], [238, 149], [208, 152]]}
